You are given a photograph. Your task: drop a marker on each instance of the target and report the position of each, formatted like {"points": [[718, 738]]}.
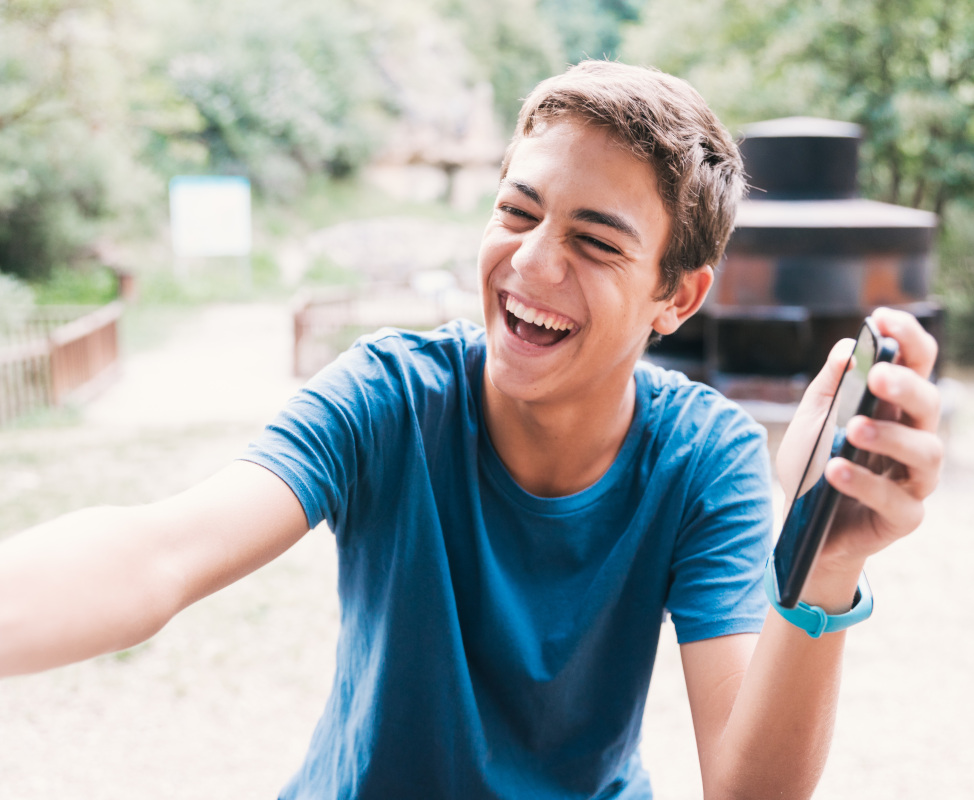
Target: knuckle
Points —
{"points": [[914, 517], [935, 455], [919, 514]]}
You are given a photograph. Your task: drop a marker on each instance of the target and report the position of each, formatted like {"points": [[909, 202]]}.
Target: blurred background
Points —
{"points": [[358, 108], [367, 135]]}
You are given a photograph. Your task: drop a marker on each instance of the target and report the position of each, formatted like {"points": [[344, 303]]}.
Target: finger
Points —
{"points": [[900, 511], [916, 398], [825, 383], [811, 412], [920, 452], [918, 349]]}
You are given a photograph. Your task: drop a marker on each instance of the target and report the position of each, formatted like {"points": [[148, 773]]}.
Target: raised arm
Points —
{"points": [[763, 706], [107, 578]]}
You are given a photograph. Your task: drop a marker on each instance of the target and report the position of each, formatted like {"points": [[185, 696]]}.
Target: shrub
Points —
{"points": [[277, 96]]}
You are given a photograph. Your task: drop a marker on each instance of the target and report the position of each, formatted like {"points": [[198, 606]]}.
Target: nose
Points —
{"points": [[540, 257]]}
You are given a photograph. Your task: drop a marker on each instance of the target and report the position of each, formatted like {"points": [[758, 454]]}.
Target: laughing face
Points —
{"points": [[569, 268]]}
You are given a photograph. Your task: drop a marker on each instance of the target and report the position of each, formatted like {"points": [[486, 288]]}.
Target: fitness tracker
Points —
{"points": [[813, 619]]}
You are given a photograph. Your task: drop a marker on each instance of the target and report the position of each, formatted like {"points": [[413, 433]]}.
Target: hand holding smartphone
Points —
{"points": [[813, 508]]}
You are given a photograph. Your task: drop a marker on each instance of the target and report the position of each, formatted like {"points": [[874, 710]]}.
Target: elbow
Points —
{"points": [[150, 611], [132, 593], [88, 583], [787, 781]]}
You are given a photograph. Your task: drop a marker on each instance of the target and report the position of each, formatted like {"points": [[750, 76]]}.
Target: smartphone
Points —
{"points": [[813, 509]]}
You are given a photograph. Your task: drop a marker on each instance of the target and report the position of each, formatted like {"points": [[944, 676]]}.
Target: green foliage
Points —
{"points": [[86, 284], [101, 102], [590, 28], [65, 160], [955, 282], [903, 69], [276, 93], [16, 303], [513, 45], [731, 51]]}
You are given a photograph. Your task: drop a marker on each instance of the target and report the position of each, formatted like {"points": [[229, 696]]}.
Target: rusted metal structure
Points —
{"points": [[808, 260]]}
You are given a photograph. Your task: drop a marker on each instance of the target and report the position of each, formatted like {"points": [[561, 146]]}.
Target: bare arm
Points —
{"points": [[107, 578], [763, 707]]}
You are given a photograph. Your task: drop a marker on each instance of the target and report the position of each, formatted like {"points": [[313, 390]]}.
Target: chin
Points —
{"points": [[510, 379]]}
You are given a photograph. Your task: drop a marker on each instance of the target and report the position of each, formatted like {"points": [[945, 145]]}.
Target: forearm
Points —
{"points": [[779, 729], [768, 730], [79, 586]]}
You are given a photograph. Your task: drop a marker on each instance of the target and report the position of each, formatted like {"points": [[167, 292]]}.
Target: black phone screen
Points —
{"points": [[813, 507]]}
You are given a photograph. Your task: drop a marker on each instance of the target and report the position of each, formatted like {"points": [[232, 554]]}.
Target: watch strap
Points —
{"points": [[813, 619]]}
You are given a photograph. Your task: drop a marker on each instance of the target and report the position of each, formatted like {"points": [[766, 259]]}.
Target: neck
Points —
{"points": [[554, 449]]}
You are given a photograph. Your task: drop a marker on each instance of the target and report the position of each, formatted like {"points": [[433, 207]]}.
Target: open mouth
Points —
{"points": [[540, 328]]}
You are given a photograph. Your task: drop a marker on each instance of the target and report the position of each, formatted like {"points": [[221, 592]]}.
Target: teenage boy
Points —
{"points": [[516, 506]]}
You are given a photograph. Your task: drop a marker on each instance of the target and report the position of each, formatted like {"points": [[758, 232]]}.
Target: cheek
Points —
{"points": [[491, 254], [626, 320], [613, 300], [482, 258]]}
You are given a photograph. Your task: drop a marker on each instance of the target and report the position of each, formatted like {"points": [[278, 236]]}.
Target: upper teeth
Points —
{"points": [[537, 317]]}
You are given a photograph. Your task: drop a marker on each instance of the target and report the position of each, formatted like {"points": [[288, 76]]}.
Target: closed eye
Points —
{"points": [[514, 212], [598, 243]]}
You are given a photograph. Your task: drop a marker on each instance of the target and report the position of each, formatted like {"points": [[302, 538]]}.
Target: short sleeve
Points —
{"points": [[718, 561], [336, 426]]}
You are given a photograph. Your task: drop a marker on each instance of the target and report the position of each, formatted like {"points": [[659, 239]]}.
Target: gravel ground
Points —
{"points": [[222, 702]]}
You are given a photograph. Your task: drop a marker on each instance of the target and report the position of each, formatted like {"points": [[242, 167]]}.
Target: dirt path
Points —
{"points": [[229, 363], [222, 702]]}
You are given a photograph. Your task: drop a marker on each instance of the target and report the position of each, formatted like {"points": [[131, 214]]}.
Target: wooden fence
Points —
{"points": [[56, 355]]}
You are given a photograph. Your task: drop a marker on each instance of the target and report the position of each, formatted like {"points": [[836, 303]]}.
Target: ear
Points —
{"points": [[685, 301]]}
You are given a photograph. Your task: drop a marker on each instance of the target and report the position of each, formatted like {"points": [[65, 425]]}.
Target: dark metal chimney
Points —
{"points": [[808, 260]]}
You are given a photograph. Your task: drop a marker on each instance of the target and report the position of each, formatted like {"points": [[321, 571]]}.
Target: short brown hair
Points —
{"points": [[664, 122]]}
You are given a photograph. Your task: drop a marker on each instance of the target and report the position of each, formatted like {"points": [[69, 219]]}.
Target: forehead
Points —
{"points": [[567, 159], [545, 125]]}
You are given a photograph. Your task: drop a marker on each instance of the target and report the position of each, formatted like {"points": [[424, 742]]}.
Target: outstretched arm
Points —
{"points": [[763, 706], [107, 578]]}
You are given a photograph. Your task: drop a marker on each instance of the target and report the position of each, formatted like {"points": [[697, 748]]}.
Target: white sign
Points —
{"points": [[210, 215]]}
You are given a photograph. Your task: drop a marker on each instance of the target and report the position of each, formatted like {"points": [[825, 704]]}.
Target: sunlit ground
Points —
{"points": [[223, 701]]}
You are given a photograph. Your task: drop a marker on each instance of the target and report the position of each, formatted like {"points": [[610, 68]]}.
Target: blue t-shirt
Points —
{"points": [[496, 644]]}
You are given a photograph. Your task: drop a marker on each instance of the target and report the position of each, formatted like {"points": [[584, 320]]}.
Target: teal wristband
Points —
{"points": [[813, 619]]}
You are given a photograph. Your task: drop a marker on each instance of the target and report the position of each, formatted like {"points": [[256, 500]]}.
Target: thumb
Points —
{"points": [[799, 438], [823, 385]]}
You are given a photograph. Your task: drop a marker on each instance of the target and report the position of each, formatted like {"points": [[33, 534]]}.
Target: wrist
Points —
{"points": [[815, 620], [833, 588]]}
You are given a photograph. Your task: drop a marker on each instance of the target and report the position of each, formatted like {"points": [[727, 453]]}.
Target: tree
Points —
{"points": [[590, 28], [512, 44], [65, 160], [902, 69], [277, 92]]}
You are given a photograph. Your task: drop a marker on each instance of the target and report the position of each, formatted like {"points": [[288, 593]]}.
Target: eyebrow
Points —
{"points": [[526, 189], [582, 214], [603, 218]]}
